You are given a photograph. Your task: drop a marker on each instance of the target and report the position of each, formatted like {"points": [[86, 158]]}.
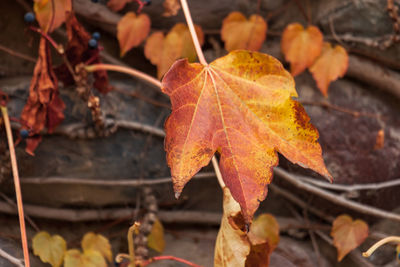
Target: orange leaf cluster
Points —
{"points": [[77, 52], [44, 107], [348, 234], [49, 20], [162, 51], [132, 30], [239, 33], [241, 106], [171, 8]]}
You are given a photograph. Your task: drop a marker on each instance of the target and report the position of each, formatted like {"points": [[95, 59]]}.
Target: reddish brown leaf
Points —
{"points": [[330, 65], [163, 51], [49, 17], [301, 46], [239, 33], [241, 106], [171, 8], [44, 107], [117, 5], [348, 234], [132, 30], [78, 51]]}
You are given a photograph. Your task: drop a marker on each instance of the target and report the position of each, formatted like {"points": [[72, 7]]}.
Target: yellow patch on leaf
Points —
{"points": [[239, 33], [171, 8], [92, 241], [162, 51], [348, 234], [156, 239], [48, 20], [132, 30], [50, 249], [90, 258], [301, 46], [117, 5], [241, 106], [329, 66]]}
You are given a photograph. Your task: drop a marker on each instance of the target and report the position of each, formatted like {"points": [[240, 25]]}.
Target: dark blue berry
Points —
{"points": [[147, 2], [96, 36], [92, 43], [29, 17], [95, 1], [24, 133]]}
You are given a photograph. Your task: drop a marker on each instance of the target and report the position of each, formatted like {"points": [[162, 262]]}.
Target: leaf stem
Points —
{"points": [[59, 48], [380, 243], [218, 172], [159, 258], [131, 246], [127, 70], [192, 30], [17, 185]]}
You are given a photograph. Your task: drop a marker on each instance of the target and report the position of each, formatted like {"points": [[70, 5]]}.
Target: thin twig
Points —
{"points": [[17, 54], [12, 259], [17, 185], [173, 258], [303, 12]]}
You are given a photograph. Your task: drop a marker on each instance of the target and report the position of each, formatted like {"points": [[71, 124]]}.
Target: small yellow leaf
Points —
{"points": [[239, 33], [92, 241], [398, 253], [348, 234], [90, 258], [50, 249], [132, 30], [156, 239], [171, 8], [50, 17], [265, 228]]}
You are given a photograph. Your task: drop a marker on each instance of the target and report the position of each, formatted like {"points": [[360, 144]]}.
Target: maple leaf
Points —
{"points": [[241, 106], [235, 247], [132, 30], [301, 46], [171, 8], [44, 107], [163, 51], [92, 241], [90, 258], [49, 20], [78, 51], [117, 5], [50, 249], [348, 234], [239, 33], [330, 65]]}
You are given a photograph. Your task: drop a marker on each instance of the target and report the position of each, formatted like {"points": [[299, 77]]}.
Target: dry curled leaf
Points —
{"points": [[49, 20], [50, 249], [117, 5], [241, 106], [348, 234], [330, 65], [171, 8], [92, 241], [156, 239], [44, 107], [78, 51], [163, 51], [90, 258], [132, 30], [239, 33], [301, 46]]}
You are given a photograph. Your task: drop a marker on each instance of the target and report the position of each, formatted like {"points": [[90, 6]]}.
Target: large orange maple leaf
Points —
{"points": [[241, 106]]}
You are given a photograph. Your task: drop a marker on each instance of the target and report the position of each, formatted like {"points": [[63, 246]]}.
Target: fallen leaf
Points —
{"points": [[49, 20], [117, 5], [50, 249], [241, 106], [239, 33], [232, 245], [90, 258], [380, 139], [330, 65], [44, 107], [301, 46], [163, 51], [92, 241], [156, 239], [78, 51], [132, 30], [171, 8], [348, 234]]}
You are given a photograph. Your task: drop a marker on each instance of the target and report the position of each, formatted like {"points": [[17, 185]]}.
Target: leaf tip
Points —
{"points": [[177, 194]]}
